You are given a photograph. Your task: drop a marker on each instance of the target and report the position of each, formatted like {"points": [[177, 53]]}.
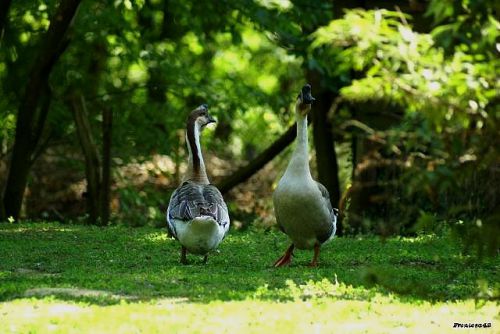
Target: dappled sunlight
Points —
{"points": [[41, 228], [144, 262], [51, 308], [248, 316], [60, 309], [417, 239], [125, 278], [157, 237], [315, 289], [279, 4]]}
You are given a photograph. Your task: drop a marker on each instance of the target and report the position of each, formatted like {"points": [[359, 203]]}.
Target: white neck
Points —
{"points": [[299, 164], [196, 172]]}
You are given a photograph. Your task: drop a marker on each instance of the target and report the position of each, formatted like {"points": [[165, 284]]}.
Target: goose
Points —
{"points": [[197, 215], [301, 204]]}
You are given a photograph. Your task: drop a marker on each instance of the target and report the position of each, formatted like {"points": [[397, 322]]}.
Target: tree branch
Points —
{"points": [[245, 172]]}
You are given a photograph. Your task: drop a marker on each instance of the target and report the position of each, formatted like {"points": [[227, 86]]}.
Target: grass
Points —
{"points": [[68, 278]]}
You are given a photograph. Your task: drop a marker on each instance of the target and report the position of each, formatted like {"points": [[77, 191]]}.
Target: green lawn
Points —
{"points": [[58, 278]]}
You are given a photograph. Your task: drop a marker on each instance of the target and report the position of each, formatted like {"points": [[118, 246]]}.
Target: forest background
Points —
{"points": [[94, 96]]}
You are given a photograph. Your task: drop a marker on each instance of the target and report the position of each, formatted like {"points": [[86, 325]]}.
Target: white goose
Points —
{"points": [[197, 215], [302, 205]]}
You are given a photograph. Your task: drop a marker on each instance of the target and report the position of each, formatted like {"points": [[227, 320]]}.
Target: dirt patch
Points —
{"points": [[75, 292]]}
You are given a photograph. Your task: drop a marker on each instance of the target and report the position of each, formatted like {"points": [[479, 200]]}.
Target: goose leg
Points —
{"points": [[183, 255], [286, 258], [314, 262]]}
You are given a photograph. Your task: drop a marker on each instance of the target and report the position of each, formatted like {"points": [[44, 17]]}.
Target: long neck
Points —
{"points": [[196, 167], [299, 164]]}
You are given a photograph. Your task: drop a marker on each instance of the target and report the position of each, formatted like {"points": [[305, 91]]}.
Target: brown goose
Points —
{"points": [[197, 215], [302, 205]]}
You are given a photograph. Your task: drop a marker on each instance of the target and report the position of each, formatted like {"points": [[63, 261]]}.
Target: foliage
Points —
{"points": [[470, 24], [129, 57], [101, 278], [449, 107], [152, 61]]}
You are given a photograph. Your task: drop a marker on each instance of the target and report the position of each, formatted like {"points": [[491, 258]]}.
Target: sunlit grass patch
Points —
{"points": [[379, 315], [158, 236]]}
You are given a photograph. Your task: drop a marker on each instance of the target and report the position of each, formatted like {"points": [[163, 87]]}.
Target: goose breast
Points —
{"points": [[303, 211]]}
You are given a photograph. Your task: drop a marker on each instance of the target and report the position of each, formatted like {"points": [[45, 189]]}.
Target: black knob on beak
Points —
{"points": [[211, 119], [307, 98]]}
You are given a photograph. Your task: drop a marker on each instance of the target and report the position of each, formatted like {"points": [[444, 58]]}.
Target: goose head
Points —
{"points": [[201, 116], [304, 100]]}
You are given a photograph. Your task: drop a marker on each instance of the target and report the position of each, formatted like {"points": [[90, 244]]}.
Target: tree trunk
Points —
{"points": [[4, 9], [92, 163], [25, 137], [369, 177], [2, 211], [102, 171], [364, 183], [326, 157], [107, 125], [324, 144]]}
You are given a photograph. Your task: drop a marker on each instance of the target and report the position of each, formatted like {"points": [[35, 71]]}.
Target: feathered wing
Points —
{"points": [[217, 208], [276, 214], [192, 200], [330, 232]]}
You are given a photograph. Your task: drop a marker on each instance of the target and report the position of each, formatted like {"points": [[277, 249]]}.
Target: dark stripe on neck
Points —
{"points": [[192, 144]]}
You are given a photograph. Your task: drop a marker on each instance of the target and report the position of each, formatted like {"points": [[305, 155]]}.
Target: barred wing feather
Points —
{"points": [[333, 214], [192, 200]]}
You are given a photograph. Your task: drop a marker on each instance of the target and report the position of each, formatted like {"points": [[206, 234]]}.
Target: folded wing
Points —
{"points": [[193, 200], [327, 234]]}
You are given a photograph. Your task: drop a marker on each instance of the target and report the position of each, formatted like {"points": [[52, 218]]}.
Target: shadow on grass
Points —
{"points": [[106, 265]]}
